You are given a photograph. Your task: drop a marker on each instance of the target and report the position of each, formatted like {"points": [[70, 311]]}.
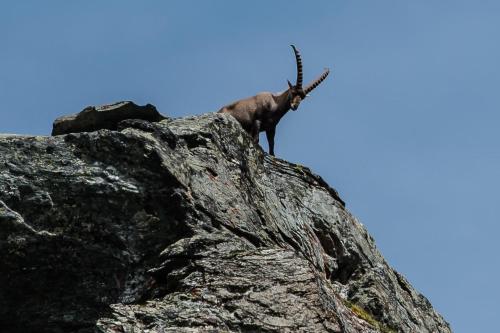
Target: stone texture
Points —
{"points": [[185, 226], [94, 118]]}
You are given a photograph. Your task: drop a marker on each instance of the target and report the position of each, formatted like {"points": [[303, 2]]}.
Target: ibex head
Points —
{"points": [[296, 92]]}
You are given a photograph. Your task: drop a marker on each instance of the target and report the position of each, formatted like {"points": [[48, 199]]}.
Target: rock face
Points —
{"points": [[185, 226]]}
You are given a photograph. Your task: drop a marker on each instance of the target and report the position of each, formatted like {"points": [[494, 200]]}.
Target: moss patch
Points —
{"points": [[363, 314]]}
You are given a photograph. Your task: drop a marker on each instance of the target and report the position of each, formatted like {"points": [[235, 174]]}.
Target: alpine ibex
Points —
{"points": [[263, 111]]}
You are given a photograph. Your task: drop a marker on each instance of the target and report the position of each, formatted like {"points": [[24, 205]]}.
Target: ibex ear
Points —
{"points": [[289, 84]]}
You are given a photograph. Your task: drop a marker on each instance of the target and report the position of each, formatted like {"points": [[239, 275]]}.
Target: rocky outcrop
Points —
{"points": [[94, 118], [185, 226]]}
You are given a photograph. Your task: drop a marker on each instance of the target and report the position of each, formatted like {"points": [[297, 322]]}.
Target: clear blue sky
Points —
{"points": [[405, 127]]}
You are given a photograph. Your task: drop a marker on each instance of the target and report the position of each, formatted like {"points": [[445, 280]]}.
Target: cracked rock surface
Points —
{"points": [[184, 225]]}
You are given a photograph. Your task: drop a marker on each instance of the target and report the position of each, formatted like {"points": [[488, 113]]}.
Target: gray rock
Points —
{"points": [[185, 226], [94, 118]]}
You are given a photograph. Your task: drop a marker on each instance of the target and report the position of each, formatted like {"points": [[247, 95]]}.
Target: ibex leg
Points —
{"points": [[270, 139], [255, 131]]}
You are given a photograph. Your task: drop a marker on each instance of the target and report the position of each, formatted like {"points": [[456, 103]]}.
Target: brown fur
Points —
{"points": [[263, 111]]}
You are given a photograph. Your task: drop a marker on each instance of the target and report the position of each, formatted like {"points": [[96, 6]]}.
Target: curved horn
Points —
{"points": [[316, 82], [299, 66]]}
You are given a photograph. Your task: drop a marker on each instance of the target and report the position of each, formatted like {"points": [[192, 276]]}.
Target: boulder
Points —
{"points": [[94, 118]]}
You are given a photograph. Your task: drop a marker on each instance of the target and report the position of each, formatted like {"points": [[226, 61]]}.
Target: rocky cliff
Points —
{"points": [[185, 225]]}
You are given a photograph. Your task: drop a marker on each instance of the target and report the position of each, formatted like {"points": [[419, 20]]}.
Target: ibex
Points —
{"points": [[263, 111]]}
